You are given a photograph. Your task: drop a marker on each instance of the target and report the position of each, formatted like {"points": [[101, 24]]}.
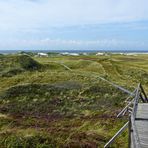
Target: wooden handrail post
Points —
{"points": [[129, 132], [143, 92]]}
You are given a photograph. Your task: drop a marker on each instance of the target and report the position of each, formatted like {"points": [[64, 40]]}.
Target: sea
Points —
{"points": [[75, 51]]}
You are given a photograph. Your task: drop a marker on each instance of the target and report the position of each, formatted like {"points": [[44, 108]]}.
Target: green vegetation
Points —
{"points": [[13, 64], [43, 104]]}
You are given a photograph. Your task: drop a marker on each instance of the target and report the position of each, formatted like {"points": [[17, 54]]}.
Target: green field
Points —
{"points": [[43, 104]]}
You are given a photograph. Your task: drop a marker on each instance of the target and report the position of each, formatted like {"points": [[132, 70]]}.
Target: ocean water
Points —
{"points": [[74, 51]]}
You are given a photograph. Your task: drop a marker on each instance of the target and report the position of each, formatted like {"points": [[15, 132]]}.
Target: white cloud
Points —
{"points": [[18, 18], [73, 44], [33, 13]]}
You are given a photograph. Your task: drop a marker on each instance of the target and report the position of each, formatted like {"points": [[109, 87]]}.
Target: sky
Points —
{"points": [[74, 24]]}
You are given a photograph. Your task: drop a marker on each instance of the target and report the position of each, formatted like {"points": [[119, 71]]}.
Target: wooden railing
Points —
{"points": [[137, 96], [132, 126]]}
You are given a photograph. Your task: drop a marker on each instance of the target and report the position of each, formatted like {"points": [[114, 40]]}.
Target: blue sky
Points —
{"points": [[74, 24]]}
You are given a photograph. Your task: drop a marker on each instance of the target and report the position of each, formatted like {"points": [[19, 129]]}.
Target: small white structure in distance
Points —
{"points": [[100, 54], [130, 54], [72, 54], [84, 53], [42, 54]]}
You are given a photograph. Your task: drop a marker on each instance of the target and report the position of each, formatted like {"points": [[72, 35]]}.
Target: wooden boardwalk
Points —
{"points": [[141, 122], [137, 108]]}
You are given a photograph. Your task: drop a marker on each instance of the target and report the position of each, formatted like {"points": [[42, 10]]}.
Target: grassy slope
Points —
{"points": [[50, 106]]}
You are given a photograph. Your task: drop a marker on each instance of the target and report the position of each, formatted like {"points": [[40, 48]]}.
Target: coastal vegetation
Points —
{"points": [[44, 104]]}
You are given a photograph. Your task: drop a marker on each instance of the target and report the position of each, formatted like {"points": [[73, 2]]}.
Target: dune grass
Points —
{"points": [[43, 104]]}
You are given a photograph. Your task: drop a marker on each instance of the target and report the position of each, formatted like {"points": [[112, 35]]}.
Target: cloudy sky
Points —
{"points": [[74, 24]]}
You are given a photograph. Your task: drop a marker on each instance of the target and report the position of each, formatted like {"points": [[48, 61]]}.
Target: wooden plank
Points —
{"points": [[129, 133], [142, 111], [141, 123], [131, 144], [135, 135]]}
